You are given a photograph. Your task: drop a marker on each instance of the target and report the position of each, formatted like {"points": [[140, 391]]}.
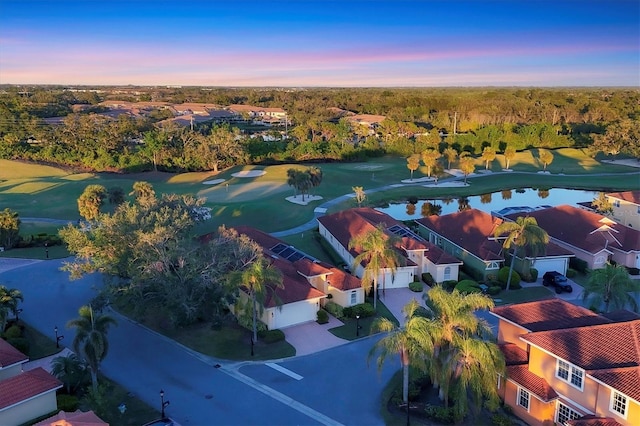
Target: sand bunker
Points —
{"points": [[297, 199], [213, 182], [249, 173]]}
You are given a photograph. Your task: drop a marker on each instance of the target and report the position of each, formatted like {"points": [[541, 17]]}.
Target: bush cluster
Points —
{"points": [[271, 336], [468, 287], [578, 264], [428, 279], [571, 273], [449, 285], [494, 290], [416, 286], [334, 309], [323, 317], [363, 309], [440, 414], [503, 276]]}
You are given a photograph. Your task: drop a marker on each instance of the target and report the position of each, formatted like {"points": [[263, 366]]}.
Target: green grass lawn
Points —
{"points": [[347, 331], [527, 294]]}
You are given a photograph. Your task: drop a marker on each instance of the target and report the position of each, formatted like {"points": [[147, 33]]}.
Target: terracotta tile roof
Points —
{"points": [[337, 278], [469, 229], [628, 196], [590, 347], [536, 385], [295, 286], [589, 231], [590, 420], [265, 240], [621, 315], [513, 355], [550, 314], [625, 380], [26, 385], [76, 418], [10, 355]]}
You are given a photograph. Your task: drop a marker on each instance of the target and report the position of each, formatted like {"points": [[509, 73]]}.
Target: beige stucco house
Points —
{"points": [[626, 207]]}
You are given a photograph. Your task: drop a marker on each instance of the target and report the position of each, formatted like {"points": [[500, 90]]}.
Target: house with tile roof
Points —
{"points": [[416, 254], [626, 207], [24, 395], [75, 418], [569, 365], [469, 236], [592, 237], [308, 283]]}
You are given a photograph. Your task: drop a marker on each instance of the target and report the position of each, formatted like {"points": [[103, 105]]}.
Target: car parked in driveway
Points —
{"points": [[557, 280]]}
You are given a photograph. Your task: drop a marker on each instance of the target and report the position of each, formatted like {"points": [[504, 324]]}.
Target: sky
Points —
{"points": [[321, 43]]}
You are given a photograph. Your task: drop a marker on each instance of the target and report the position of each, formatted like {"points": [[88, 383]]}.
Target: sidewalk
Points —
{"points": [[46, 361]]}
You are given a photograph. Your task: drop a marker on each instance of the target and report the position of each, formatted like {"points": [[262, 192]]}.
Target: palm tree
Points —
{"points": [[292, 179], [9, 299], [376, 249], [360, 195], [612, 286], [257, 278], [546, 157], [524, 233], [70, 370], [509, 154], [466, 165], [488, 155], [412, 342], [451, 155], [91, 342], [462, 347], [430, 158], [315, 176], [413, 162]]}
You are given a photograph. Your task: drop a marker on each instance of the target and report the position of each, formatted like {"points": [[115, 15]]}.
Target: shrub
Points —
{"points": [[334, 309], [449, 285], [578, 264], [503, 275], [67, 402], [272, 336], [428, 279], [13, 332], [362, 309], [501, 420], [416, 286], [571, 273], [439, 414], [534, 274], [494, 290], [323, 317], [468, 287]]}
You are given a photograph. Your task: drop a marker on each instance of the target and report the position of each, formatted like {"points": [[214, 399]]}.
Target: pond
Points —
{"points": [[494, 201]]}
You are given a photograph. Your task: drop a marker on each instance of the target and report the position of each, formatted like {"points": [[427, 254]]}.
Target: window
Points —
{"points": [[570, 374], [523, 398], [447, 273], [619, 404], [353, 297], [493, 265], [563, 370], [565, 414]]}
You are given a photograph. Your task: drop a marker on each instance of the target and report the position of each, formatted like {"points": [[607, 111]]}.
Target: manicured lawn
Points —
{"points": [[40, 346], [527, 294], [347, 331]]}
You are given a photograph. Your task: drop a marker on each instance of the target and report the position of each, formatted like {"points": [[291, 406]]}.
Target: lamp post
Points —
{"points": [[58, 338], [251, 344], [18, 312], [46, 249], [163, 403], [357, 325]]}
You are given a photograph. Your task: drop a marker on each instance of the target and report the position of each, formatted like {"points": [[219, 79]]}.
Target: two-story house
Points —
{"points": [[565, 362], [626, 207], [416, 255]]}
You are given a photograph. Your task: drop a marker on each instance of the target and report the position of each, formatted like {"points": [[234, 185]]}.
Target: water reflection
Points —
{"points": [[489, 202]]}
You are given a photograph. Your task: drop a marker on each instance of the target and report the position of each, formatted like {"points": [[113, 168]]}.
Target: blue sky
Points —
{"points": [[312, 43]]}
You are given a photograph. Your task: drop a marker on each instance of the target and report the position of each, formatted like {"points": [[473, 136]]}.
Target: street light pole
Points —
{"points": [[58, 338], [163, 404], [357, 325]]}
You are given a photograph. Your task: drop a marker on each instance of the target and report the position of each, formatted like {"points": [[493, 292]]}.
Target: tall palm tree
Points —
{"points": [[91, 342], [509, 154], [257, 278], [467, 165], [611, 286], [315, 176], [412, 342], [451, 155], [430, 158], [525, 234], [376, 250], [461, 347], [9, 300]]}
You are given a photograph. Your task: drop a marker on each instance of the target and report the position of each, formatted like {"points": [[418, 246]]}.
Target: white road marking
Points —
{"points": [[284, 370]]}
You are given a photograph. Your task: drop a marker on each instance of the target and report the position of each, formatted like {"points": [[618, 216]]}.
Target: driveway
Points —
{"points": [[312, 337]]}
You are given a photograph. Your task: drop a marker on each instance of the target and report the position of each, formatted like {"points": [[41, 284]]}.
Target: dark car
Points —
{"points": [[557, 280]]}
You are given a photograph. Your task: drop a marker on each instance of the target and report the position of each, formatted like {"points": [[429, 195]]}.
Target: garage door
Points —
{"points": [[546, 265], [295, 313]]}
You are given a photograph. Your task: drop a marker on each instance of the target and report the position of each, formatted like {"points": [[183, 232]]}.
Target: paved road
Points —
{"points": [[336, 388]]}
